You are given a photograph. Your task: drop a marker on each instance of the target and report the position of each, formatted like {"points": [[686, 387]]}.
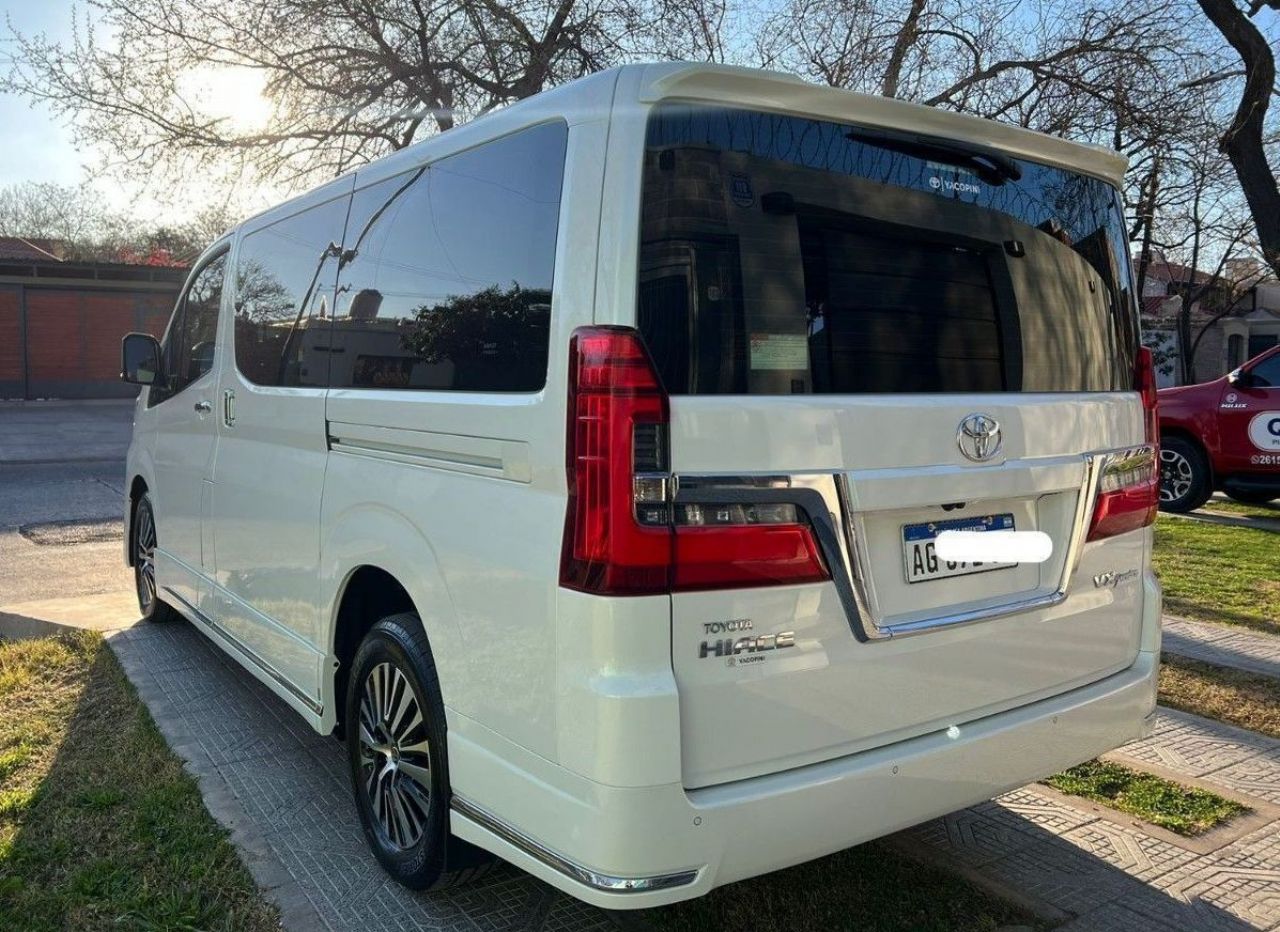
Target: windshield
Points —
{"points": [[784, 255]]}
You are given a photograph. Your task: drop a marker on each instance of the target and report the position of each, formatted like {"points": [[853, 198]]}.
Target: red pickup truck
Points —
{"points": [[1223, 434]]}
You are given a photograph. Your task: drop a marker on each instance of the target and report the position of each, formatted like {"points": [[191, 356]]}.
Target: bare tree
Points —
{"points": [[69, 213], [348, 80], [87, 229], [1245, 139], [1059, 66]]}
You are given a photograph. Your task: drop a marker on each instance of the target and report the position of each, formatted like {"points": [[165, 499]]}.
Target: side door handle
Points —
{"points": [[203, 407]]}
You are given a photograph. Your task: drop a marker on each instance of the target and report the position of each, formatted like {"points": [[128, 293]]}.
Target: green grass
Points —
{"points": [[1214, 572], [870, 888], [1182, 809], [100, 827], [1249, 700]]}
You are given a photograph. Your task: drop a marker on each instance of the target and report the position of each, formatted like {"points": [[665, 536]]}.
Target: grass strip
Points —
{"points": [[100, 827], [1249, 700], [1186, 810], [1215, 572]]}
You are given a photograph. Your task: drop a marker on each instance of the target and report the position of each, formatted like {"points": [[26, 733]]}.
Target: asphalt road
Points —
{"points": [[62, 499]]}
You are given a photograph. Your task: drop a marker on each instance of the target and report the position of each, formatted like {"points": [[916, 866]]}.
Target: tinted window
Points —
{"points": [[785, 255], [446, 281], [1266, 374], [284, 292], [189, 346]]}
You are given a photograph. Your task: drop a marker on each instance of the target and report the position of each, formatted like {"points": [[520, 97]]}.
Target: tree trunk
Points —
{"points": [[1243, 140], [907, 36]]}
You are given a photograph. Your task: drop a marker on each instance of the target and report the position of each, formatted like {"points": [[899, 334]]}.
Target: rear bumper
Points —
{"points": [[638, 847]]}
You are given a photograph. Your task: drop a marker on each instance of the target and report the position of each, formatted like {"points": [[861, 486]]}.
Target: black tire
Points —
{"points": [[396, 748], [1184, 476], [1251, 498], [143, 546]]}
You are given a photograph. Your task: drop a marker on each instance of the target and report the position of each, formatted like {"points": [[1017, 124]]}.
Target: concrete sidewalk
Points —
{"points": [[1229, 520], [1225, 646]]}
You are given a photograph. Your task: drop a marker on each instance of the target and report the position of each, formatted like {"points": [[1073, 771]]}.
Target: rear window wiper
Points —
{"points": [[993, 166]]}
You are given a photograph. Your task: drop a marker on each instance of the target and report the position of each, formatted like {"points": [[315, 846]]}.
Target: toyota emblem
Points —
{"points": [[979, 437]]}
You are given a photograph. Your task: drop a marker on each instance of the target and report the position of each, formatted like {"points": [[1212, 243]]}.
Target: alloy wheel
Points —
{"points": [[1175, 475], [144, 558], [395, 755]]}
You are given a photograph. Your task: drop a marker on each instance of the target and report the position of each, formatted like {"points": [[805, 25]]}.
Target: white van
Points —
{"points": [[584, 466]]}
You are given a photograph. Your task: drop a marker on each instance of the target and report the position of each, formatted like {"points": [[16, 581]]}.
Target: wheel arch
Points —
{"points": [[137, 488], [369, 594]]}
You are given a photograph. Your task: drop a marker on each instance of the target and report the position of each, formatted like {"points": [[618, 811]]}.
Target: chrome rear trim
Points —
{"points": [[606, 883]]}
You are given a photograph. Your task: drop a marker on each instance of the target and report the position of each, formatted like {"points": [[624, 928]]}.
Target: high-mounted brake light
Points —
{"points": [[1128, 493], [623, 533]]}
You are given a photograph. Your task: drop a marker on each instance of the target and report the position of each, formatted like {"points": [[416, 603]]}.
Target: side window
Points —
{"points": [[189, 346], [284, 289], [1266, 374], [447, 271]]}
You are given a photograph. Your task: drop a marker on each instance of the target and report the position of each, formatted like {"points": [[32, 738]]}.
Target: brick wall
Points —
{"points": [[10, 343], [73, 338]]}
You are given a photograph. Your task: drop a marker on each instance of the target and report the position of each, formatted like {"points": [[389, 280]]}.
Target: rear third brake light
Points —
{"points": [[624, 534], [1128, 493]]}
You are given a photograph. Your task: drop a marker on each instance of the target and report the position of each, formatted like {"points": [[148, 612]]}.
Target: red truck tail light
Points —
{"points": [[623, 533], [1128, 493]]}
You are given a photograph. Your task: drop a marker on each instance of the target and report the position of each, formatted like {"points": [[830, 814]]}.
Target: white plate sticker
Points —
{"points": [[779, 351], [1264, 431]]}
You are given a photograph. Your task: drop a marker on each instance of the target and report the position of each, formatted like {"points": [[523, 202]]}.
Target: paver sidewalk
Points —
{"points": [[1226, 646], [284, 792], [1115, 876]]}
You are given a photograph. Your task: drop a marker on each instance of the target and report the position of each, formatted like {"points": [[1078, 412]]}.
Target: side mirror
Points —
{"points": [[1240, 379], [140, 359]]}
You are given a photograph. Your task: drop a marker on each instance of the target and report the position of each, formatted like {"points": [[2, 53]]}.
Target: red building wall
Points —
{"points": [[72, 337]]}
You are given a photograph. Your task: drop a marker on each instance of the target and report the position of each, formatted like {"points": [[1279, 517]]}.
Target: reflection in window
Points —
{"points": [[284, 290], [189, 347], [785, 255], [446, 278]]}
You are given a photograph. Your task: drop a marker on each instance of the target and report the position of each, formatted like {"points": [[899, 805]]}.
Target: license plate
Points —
{"points": [[921, 560]]}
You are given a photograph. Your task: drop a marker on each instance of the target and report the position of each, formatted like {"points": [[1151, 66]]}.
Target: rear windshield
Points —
{"points": [[782, 255]]}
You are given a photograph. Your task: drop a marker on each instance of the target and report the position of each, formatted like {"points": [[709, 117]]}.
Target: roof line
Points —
{"points": [[23, 239]]}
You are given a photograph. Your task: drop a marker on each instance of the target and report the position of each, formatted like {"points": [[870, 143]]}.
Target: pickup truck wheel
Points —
{"points": [[1184, 476], [397, 750], [1251, 498]]}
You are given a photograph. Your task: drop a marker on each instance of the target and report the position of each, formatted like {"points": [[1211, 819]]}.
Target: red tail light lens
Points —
{"points": [[612, 389], [1128, 493], [736, 557], [623, 535]]}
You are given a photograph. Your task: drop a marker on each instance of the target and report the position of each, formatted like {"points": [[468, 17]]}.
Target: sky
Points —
{"points": [[36, 147], [39, 146]]}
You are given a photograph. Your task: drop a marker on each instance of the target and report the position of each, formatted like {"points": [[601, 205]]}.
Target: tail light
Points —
{"points": [[1128, 493], [1144, 381], [624, 534]]}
